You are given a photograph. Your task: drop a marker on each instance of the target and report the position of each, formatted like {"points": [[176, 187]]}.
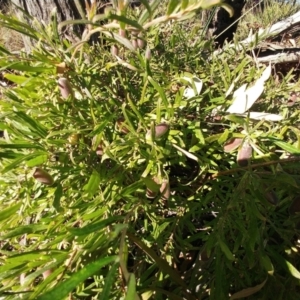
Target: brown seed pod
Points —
{"points": [[292, 100], [122, 33], [159, 131], [140, 41], [114, 50], [295, 206], [134, 43], [43, 176], [165, 190], [148, 53], [99, 150], [232, 144], [151, 193], [47, 273], [244, 154], [272, 197], [65, 87]]}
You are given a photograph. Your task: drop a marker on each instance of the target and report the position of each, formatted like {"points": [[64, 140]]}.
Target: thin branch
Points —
{"points": [[255, 166]]}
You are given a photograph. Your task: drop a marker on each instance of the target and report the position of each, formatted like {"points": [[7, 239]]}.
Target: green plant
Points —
{"points": [[264, 15], [108, 135]]}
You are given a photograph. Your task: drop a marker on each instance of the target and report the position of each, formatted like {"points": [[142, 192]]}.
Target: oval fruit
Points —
{"points": [[272, 197], [47, 273], [232, 144], [152, 189], [73, 139], [114, 50], [159, 131], [140, 41], [150, 194], [99, 150], [148, 53], [122, 33], [165, 190], [134, 43], [43, 176], [65, 87], [244, 154]]}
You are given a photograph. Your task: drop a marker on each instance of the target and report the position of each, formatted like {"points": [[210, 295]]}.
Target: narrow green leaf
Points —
{"points": [[22, 66], [173, 4], [33, 124], [123, 41], [199, 134], [223, 138], [147, 13], [91, 228], [36, 255], [297, 133], [61, 290], [236, 119], [127, 21], [226, 250], [131, 290], [19, 27], [39, 160], [294, 272], [93, 184], [131, 189], [160, 91], [57, 196], [266, 262], [24, 229], [285, 146], [8, 212], [99, 128], [3, 50], [10, 154], [18, 79], [147, 6], [184, 4], [159, 261], [40, 288], [109, 282], [213, 138], [19, 160], [151, 184], [136, 111], [18, 145]]}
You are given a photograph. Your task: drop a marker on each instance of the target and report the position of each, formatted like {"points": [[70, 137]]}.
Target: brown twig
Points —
{"points": [[254, 166]]}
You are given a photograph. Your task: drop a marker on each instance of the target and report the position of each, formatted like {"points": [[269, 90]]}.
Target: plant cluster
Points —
{"points": [[137, 168]]}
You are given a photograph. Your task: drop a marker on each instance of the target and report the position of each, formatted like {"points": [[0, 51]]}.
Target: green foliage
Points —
{"points": [[264, 15], [120, 210]]}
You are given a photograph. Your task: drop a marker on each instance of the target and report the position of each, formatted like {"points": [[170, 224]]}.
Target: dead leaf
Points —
{"points": [[243, 98], [249, 291]]}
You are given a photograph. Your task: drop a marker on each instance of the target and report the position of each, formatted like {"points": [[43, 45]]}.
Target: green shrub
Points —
{"points": [[118, 175]]}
